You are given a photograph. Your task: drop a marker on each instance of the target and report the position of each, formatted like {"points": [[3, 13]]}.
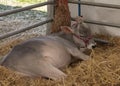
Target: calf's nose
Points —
{"points": [[94, 46]]}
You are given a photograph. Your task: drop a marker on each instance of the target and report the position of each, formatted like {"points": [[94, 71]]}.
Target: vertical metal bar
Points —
{"points": [[54, 8], [79, 9]]}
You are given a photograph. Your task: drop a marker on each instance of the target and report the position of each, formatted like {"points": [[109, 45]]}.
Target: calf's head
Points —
{"points": [[82, 41]]}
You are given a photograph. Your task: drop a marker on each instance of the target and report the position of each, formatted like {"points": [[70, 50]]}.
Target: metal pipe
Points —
{"points": [[25, 8], [95, 4], [100, 23], [24, 29], [101, 41], [79, 9]]}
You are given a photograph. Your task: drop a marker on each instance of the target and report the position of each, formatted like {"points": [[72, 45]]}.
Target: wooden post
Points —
{"points": [[62, 15]]}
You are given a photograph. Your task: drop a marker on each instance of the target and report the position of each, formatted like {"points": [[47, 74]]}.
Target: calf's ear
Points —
{"points": [[66, 29]]}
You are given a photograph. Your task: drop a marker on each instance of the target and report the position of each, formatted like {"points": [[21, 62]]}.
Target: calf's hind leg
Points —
{"points": [[52, 72], [44, 69]]}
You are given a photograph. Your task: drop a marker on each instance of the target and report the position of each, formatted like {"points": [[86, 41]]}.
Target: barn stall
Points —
{"points": [[102, 69]]}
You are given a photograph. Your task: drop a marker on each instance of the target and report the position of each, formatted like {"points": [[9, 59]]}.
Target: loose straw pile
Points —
{"points": [[102, 69]]}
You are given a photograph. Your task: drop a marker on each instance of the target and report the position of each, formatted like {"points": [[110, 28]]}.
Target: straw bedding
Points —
{"points": [[102, 69]]}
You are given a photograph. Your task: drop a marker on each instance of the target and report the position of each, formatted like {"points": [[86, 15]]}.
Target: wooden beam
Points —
{"points": [[62, 15]]}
